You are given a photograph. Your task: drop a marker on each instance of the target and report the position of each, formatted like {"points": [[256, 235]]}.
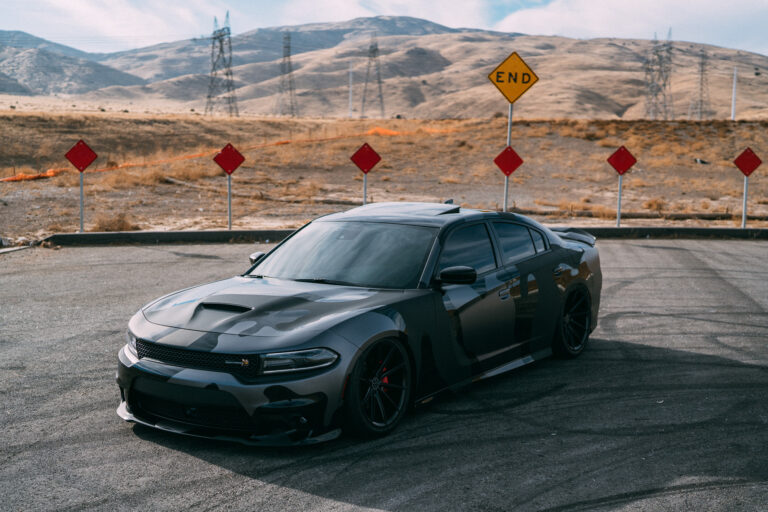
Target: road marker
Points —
{"points": [[81, 156], [508, 161], [513, 77], [747, 162], [229, 159], [365, 158], [621, 160]]}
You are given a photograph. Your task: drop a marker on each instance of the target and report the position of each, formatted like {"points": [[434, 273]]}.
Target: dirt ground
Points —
{"points": [[155, 172]]}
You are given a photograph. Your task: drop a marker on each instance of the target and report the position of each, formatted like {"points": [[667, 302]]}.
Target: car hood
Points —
{"points": [[264, 307]]}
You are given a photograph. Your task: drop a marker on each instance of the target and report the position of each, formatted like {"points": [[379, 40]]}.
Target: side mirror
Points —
{"points": [[458, 275], [255, 257]]}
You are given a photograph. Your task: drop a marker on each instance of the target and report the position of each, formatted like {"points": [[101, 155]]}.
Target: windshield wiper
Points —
{"points": [[324, 281]]}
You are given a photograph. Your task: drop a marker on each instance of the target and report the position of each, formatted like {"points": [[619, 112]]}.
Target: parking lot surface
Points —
{"points": [[666, 410]]}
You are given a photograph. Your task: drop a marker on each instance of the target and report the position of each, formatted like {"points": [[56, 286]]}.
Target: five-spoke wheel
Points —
{"points": [[575, 324], [378, 389]]}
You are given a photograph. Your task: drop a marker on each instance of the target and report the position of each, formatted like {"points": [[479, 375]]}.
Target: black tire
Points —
{"points": [[379, 390], [574, 324]]}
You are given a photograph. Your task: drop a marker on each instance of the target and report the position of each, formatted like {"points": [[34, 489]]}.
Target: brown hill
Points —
{"points": [[445, 76]]}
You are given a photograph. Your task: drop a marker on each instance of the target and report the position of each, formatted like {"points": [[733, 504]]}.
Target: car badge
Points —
{"points": [[242, 362]]}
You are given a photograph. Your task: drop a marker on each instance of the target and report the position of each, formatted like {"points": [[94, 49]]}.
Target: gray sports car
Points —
{"points": [[355, 317]]}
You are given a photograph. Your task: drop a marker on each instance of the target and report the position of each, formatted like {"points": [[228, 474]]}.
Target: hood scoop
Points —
{"points": [[224, 307]]}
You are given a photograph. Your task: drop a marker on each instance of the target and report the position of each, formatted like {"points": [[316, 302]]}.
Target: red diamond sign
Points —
{"points": [[747, 161], [365, 158], [508, 161], [622, 160], [81, 155], [229, 159]]}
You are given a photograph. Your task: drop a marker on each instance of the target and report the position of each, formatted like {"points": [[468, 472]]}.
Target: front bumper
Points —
{"points": [[300, 409]]}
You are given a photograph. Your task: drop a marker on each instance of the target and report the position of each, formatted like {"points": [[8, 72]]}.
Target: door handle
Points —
{"points": [[558, 270]]}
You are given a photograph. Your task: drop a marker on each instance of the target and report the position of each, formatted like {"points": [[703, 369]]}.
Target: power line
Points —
{"points": [[658, 79], [286, 100], [699, 107], [373, 61], [221, 61]]}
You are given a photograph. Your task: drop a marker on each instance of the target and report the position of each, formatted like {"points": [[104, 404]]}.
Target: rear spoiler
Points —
{"points": [[575, 234]]}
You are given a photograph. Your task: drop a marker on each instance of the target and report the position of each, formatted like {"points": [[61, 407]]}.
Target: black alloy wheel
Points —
{"points": [[574, 326], [378, 389]]}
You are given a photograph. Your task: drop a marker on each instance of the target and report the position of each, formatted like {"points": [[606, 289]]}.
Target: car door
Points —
{"points": [[520, 269], [481, 314]]}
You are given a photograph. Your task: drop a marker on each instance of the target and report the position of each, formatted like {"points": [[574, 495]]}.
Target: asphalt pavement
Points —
{"points": [[666, 410]]}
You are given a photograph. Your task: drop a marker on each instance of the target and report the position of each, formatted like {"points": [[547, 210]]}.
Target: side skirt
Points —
{"points": [[506, 367]]}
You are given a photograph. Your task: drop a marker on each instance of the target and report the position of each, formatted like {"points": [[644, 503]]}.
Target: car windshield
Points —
{"points": [[374, 254]]}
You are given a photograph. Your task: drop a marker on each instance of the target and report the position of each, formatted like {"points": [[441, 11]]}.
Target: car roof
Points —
{"points": [[420, 214]]}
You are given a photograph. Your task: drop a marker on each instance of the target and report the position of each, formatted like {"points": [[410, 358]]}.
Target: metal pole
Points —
{"points": [[509, 142], [229, 198], [350, 90], [744, 203], [733, 97], [365, 188], [81, 201], [618, 205]]}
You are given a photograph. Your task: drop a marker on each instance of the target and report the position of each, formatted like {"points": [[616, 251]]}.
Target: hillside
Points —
{"points": [[44, 72], [444, 75], [428, 71], [178, 58]]}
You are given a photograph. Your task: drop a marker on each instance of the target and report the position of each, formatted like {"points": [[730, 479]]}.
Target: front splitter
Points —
{"points": [[282, 439]]}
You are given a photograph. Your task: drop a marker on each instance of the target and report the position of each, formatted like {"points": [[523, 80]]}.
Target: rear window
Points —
{"points": [[538, 241], [516, 242]]}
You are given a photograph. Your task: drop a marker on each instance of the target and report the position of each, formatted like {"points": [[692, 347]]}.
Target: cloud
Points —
{"points": [[736, 23], [452, 13], [100, 26]]}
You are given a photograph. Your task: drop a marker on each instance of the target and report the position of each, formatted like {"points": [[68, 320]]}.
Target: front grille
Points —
{"points": [[228, 363]]}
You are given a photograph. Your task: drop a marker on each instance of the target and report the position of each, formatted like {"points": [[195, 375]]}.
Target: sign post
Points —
{"points": [[621, 160], [747, 162], [365, 158], [229, 159], [81, 156], [512, 78]]}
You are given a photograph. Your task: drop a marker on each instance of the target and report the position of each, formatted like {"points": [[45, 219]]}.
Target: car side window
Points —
{"points": [[469, 246], [516, 243], [538, 241]]}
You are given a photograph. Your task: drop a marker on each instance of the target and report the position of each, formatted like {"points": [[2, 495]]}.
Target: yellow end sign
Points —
{"points": [[513, 77]]}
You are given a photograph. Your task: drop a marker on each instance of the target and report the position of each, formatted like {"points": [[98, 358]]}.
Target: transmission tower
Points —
{"points": [[286, 100], [658, 79], [373, 60], [221, 86], [699, 107]]}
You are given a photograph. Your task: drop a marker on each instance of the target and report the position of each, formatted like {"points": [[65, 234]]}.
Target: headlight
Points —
{"points": [[283, 362], [131, 340]]}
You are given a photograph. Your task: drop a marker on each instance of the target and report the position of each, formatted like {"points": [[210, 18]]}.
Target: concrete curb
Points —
{"points": [[275, 235], [168, 237], [14, 249]]}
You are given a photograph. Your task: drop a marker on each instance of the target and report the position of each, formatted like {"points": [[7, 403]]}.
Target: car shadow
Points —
{"points": [[623, 423]]}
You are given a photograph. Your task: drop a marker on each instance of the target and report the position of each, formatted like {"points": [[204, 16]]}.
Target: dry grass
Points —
{"points": [[638, 183], [562, 159], [656, 204], [119, 222]]}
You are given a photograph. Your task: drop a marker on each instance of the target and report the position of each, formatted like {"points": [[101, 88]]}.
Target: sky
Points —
{"points": [[113, 25]]}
